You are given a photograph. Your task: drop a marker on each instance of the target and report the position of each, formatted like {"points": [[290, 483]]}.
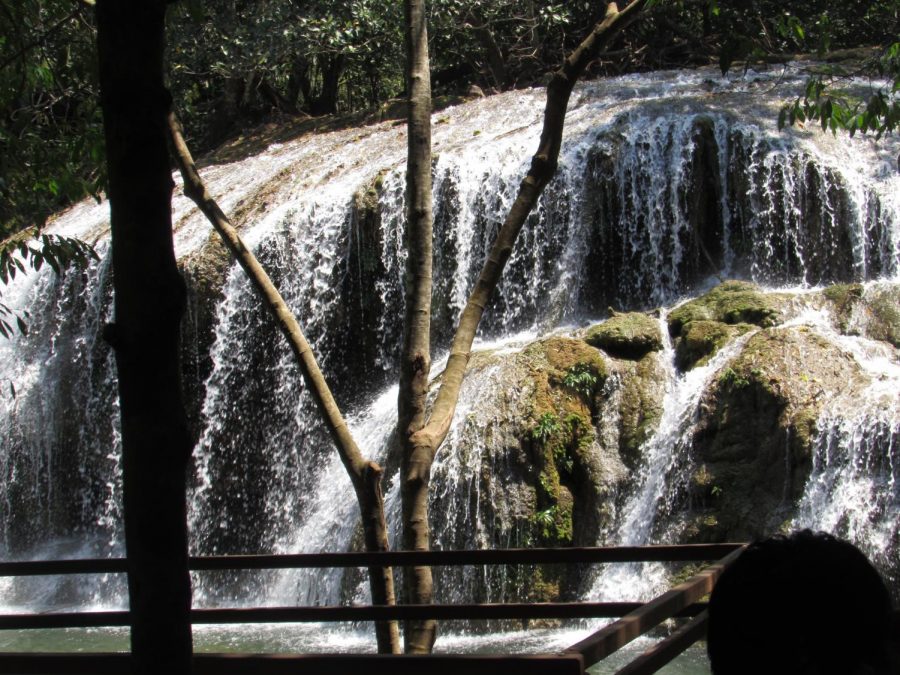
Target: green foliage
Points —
{"points": [[545, 523], [546, 427], [834, 108], [819, 27], [22, 252], [51, 142], [582, 379], [730, 377], [233, 63]]}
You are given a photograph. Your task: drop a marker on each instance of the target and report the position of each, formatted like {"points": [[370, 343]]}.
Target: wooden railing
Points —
{"points": [[636, 618]]}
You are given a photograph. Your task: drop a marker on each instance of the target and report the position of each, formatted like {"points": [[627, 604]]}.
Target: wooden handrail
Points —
{"points": [[484, 611], [665, 650], [609, 639], [533, 556], [637, 618], [294, 664]]}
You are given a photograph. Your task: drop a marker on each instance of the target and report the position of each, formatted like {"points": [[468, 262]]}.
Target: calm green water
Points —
{"points": [[300, 638]]}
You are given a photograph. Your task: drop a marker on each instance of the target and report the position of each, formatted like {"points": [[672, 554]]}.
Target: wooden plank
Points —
{"points": [[386, 664], [522, 556], [609, 639], [63, 620], [81, 566], [519, 611], [665, 650], [275, 664]]}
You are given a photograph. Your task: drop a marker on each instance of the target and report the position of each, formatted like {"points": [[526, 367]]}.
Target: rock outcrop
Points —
{"points": [[579, 409]]}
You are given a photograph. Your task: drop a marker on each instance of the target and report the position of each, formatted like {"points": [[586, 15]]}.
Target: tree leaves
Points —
{"points": [[50, 134], [34, 249]]}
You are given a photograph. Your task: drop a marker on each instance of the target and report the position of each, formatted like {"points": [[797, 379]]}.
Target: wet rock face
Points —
{"points": [[577, 428], [872, 312], [756, 425], [204, 273]]}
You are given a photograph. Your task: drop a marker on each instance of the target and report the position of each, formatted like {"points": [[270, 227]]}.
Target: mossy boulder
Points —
{"points": [[628, 335], [757, 424], [872, 311], [884, 305], [731, 302], [566, 375], [638, 405], [701, 339], [843, 298], [703, 325], [528, 421]]}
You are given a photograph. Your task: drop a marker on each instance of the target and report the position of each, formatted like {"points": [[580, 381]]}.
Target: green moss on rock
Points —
{"points": [[701, 339], [628, 335], [884, 304], [731, 302], [640, 407], [564, 375]]}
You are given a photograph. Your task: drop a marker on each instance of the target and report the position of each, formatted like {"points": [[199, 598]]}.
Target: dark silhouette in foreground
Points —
{"points": [[807, 604]]}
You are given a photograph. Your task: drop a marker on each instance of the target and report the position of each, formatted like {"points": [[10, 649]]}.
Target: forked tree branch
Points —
{"points": [[543, 167]]}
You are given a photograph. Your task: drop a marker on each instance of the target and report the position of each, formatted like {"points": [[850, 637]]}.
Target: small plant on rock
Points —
{"points": [[730, 377], [546, 426], [580, 378]]}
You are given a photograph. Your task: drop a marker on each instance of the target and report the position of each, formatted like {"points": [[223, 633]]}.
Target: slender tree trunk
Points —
{"points": [[416, 352], [149, 302], [364, 474], [298, 81], [421, 440]]}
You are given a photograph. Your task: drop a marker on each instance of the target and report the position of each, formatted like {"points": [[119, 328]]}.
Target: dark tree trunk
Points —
{"points": [[298, 81], [326, 102], [421, 437], [149, 301]]}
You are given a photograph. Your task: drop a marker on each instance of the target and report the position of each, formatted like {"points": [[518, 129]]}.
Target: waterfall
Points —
{"points": [[664, 180], [854, 487], [660, 481]]}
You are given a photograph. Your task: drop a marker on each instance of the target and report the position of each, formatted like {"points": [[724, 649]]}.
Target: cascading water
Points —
{"points": [[854, 487], [664, 179], [660, 480]]}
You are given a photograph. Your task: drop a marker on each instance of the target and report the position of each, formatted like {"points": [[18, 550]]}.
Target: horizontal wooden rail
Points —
{"points": [[619, 633], [490, 611], [522, 556], [665, 650], [636, 618], [300, 664]]}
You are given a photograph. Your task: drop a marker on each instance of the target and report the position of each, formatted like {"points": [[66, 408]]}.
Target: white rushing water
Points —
{"points": [[854, 487], [662, 476], [664, 179]]}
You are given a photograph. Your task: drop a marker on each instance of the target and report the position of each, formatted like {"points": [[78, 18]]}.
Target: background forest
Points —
{"points": [[234, 64]]}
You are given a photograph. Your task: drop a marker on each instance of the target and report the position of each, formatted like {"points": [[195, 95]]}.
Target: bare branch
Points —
{"points": [[543, 166], [364, 474]]}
